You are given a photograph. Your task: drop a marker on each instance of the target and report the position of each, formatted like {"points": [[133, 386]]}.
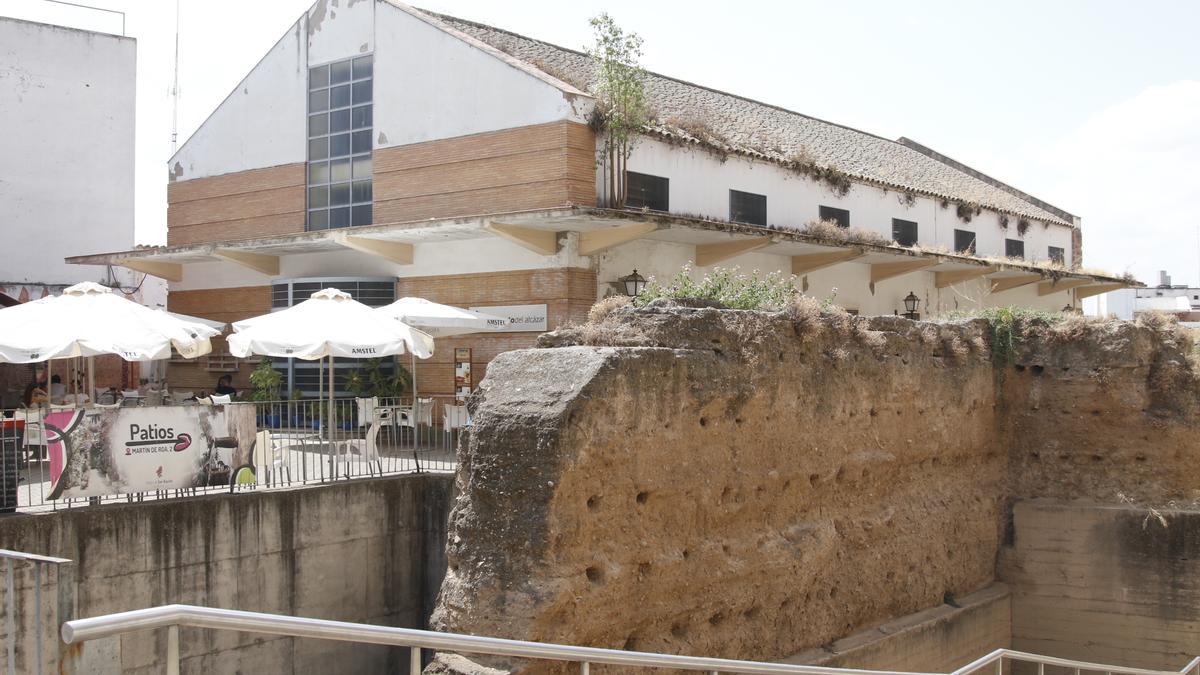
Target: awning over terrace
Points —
{"points": [[591, 230]]}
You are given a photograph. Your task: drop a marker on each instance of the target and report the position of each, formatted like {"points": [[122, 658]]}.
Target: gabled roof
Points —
{"points": [[774, 133]]}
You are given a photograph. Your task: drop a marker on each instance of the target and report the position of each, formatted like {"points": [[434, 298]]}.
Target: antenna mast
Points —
{"points": [[175, 88]]}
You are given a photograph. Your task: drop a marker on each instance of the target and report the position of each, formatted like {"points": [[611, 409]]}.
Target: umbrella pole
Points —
{"points": [[91, 368], [331, 415], [415, 409]]}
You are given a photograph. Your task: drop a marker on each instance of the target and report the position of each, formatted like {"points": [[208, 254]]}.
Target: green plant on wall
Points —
{"points": [[727, 287], [621, 112], [265, 382]]}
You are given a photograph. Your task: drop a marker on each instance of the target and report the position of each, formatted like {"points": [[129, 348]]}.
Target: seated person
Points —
{"points": [[57, 389], [225, 386], [34, 395]]}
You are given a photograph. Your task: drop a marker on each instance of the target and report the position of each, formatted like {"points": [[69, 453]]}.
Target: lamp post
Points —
{"points": [[910, 306], [634, 284]]}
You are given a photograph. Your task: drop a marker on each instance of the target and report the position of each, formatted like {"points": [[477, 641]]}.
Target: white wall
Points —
{"points": [[663, 260], [467, 256], [700, 184], [263, 121], [430, 85], [66, 149]]}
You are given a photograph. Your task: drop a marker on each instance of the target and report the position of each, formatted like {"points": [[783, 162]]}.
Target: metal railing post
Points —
{"points": [[414, 661], [37, 603], [10, 623], [584, 668], [173, 650]]}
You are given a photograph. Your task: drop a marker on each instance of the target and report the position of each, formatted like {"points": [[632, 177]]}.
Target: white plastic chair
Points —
{"points": [[454, 417], [220, 399], [272, 455], [367, 448]]}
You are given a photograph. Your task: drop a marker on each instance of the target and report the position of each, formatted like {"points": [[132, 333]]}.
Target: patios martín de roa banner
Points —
{"points": [[122, 450]]}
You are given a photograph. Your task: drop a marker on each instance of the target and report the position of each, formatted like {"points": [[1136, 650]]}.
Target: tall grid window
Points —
{"points": [[339, 143]]}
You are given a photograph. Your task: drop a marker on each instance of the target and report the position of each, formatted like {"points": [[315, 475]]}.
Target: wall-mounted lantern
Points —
{"points": [[634, 284], [911, 301]]}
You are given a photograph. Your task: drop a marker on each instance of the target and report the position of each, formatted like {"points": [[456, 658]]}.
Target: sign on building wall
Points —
{"points": [[113, 451], [462, 373], [521, 318]]}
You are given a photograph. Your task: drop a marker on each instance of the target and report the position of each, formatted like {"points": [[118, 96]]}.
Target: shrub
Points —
{"points": [[600, 311], [725, 286], [1010, 325], [968, 210], [831, 231]]}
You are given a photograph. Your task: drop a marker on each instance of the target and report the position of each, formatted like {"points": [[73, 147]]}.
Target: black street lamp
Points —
{"points": [[910, 306], [634, 284]]}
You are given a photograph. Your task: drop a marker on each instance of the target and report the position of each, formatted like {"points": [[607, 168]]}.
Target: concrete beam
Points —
{"points": [[1009, 283], [1060, 285], [1097, 289], [259, 262], [711, 254], [595, 241], [803, 264], [944, 279], [398, 252], [544, 242], [888, 270], [163, 270]]}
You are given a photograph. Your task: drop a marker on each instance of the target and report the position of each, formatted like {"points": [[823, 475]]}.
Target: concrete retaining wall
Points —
{"points": [[1108, 584], [367, 551]]}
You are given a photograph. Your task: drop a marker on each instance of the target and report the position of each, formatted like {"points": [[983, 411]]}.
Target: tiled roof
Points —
{"points": [[773, 132]]}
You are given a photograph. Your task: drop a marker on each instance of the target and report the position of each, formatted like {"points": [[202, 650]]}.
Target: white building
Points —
{"points": [[397, 152], [66, 162], [1181, 301]]}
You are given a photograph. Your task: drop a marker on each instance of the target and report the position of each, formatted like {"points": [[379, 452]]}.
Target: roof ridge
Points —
{"points": [[722, 92]]}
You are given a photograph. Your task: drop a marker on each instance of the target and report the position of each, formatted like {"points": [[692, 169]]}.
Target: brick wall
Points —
{"points": [[255, 203], [567, 292], [219, 304], [534, 167]]}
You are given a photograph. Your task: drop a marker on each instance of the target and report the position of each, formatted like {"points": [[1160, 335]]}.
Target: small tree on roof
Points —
{"points": [[621, 110]]}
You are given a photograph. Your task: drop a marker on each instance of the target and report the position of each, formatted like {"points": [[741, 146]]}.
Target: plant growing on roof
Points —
{"points": [[1004, 221], [621, 110], [968, 210], [1022, 227], [727, 287]]}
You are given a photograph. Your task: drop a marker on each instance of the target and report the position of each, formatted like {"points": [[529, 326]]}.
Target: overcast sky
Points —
{"points": [[1093, 106]]}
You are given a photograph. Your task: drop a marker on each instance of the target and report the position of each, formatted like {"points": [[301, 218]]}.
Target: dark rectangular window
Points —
{"points": [[339, 143], [840, 216], [904, 232], [648, 192], [1014, 248], [747, 207], [964, 242], [1057, 254]]}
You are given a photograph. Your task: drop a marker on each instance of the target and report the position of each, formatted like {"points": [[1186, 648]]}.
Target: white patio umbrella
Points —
{"points": [[218, 326], [89, 319], [439, 321], [329, 324]]}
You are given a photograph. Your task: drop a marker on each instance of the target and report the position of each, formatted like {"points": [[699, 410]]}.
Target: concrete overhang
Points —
{"points": [[598, 228]]}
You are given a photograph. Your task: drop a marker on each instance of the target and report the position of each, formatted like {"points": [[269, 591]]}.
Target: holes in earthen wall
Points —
{"points": [[1038, 370], [685, 554], [703, 421], [1020, 368], [642, 497], [716, 619], [1139, 458], [679, 630], [593, 502], [737, 420], [751, 613], [643, 570], [813, 479], [594, 574], [873, 412], [840, 475], [631, 644]]}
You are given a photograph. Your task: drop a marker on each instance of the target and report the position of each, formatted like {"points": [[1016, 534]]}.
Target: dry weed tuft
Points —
{"points": [[603, 308]]}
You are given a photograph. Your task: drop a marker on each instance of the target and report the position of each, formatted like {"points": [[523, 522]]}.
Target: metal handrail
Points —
{"points": [[10, 612], [174, 616]]}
